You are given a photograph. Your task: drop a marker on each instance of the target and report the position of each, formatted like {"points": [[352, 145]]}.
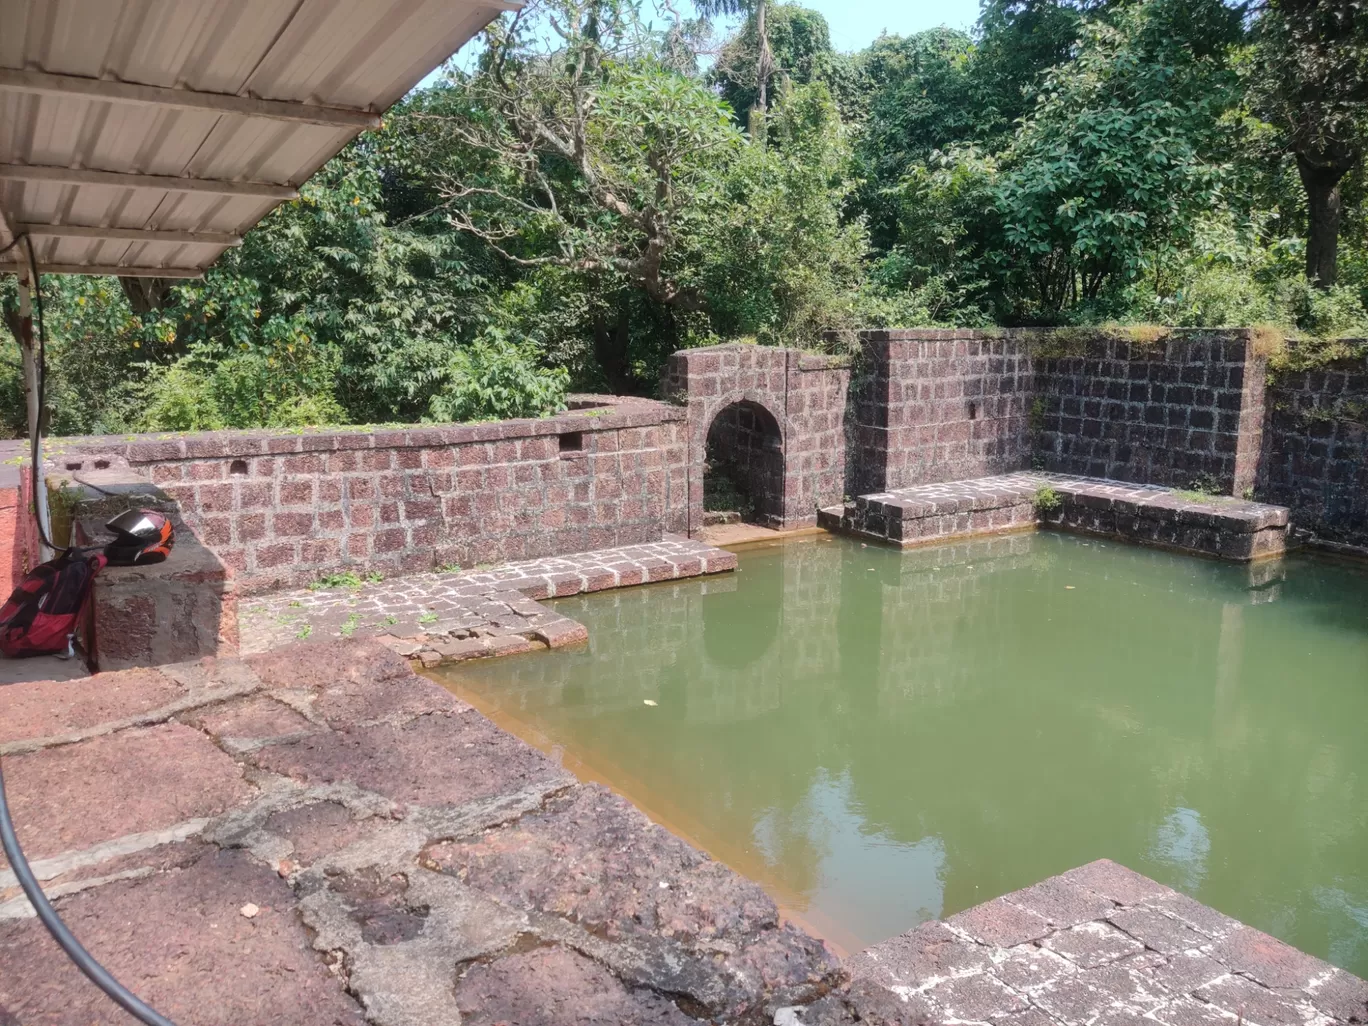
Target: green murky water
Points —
{"points": [[881, 737]]}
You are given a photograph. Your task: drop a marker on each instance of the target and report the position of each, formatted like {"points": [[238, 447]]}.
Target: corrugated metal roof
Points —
{"points": [[356, 55]]}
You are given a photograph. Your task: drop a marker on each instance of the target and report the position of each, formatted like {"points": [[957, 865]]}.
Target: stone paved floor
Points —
{"points": [[317, 836], [448, 617]]}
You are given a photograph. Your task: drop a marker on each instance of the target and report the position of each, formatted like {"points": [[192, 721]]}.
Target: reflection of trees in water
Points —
{"points": [[1029, 727]]}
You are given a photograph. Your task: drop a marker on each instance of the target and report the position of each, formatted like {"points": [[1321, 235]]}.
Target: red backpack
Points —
{"points": [[41, 615]]}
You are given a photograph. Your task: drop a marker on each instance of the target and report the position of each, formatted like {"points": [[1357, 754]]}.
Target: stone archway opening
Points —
{"points": [[743, 472]]}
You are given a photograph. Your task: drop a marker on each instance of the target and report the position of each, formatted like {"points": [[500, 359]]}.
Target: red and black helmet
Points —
{"points": [[140, 536]]}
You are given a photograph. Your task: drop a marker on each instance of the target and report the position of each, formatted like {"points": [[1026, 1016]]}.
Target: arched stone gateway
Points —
{"points": [[743, 469], [775, 417]]}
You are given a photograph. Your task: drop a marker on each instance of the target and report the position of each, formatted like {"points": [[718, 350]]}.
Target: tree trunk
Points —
{"points": [[147, 294], [765, 62], [611, 344], [1322, 184]]}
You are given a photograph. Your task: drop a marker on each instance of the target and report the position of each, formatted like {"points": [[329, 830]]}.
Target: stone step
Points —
{"points": [[1212, 525]]}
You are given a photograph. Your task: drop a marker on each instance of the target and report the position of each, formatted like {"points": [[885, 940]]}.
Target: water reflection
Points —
{"points": [[884, 737], [1182, 843]]}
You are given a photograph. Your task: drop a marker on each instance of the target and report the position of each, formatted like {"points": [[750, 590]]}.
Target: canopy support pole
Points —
{"points": [[29, 354]]}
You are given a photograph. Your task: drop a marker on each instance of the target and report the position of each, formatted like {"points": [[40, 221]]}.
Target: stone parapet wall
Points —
{"points": [[281, 509], [1184, 412], [936, 406], [1315, 453]]}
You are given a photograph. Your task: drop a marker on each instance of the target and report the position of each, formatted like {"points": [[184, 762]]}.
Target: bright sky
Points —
{"points": [[857, 23]]}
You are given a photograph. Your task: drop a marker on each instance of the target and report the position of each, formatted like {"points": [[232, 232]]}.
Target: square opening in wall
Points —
{"points": [[572, 443]]}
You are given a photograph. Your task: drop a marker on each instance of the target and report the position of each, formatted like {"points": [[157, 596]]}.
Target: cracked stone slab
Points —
{"points": [[592, 860], [183, 946], [553, 986], [400, 761], [74, 796]]}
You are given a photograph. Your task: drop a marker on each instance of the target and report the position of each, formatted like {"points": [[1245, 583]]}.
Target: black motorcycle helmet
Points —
{"points": [[141, 536]]}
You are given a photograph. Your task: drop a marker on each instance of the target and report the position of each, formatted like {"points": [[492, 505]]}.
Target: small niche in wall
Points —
{"points": [[238, 468], [973, 411], [572, 443]]}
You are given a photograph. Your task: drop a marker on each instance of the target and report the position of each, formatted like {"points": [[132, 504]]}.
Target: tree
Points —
{"points": [[800, 44], [1312, 84], [1122, 154], [758, 12], [921, 100], [590, 157]]}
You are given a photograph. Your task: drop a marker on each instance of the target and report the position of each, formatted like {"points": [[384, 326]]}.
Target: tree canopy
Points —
{"points": [[607, 181]]}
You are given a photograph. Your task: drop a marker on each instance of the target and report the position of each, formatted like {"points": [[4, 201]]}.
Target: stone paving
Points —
{"points": [[332, 839], [449, 617], [1212, 525], [1104, 946]]}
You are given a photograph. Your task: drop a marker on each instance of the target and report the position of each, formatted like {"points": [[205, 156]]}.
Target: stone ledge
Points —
{"points": [[1209, 525], [1102, 944], [446, 618]]}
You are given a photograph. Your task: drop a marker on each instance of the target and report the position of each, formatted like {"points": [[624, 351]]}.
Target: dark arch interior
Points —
{"points": [[744, 466]]}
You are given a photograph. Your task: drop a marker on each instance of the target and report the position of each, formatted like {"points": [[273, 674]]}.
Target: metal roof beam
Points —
{"points": [[110, 269], [105, 90], [76, 231], [122, 180]]}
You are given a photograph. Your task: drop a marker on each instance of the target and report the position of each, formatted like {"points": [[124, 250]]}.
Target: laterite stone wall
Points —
{"points": [[1185, 412], [1315, 454], [283, 509], [937, 406]]}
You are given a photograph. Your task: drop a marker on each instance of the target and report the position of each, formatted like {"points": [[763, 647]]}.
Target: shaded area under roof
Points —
{"points": [[144, 137]]}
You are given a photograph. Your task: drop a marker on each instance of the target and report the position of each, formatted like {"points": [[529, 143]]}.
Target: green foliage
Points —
{"points": [[345, 579], [494, 378], [1046, 500]]}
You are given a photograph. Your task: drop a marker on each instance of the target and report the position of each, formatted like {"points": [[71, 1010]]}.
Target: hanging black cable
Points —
{"points": [[9, 840]]}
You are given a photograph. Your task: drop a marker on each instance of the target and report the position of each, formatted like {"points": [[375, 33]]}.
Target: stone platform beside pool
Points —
{"points": [[317, 836], [1208, 525], [450, 617]]}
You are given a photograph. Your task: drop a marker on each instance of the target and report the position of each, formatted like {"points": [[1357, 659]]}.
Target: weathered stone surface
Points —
{"points": [[349, 703], [1266, 959], [401, 761], [1028, 968], [979, 998], [925, 514], [320, 663], [320, 828], [1001, 924], [474, 614], [1151, 955], [182, 946], [1093, 944], [251, 718], [929, 950], [551, 986], [1062, 903], [33, 710], [74, 796], [1115, 882], [448, 870], [1157, 931], [592, 859]]}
